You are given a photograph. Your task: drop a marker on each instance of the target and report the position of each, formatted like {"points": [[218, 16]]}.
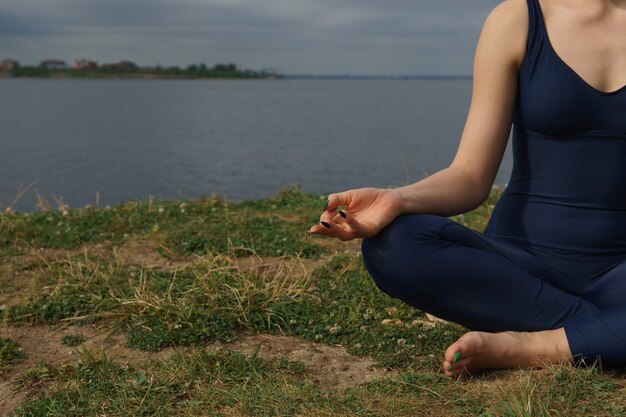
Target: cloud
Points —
{"points": [[305, 36]]}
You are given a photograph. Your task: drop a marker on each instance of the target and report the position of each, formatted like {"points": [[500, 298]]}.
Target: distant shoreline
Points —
{"points": [[377, 77], [52, 68], [127, 77], [132, 76]]}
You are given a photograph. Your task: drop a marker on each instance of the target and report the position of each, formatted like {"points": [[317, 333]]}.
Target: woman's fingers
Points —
{"points": [[340, 231], [327, 217], [338, 223], [340, 217], [320, 230], [338, 199], [333, 230], [348, 219]]}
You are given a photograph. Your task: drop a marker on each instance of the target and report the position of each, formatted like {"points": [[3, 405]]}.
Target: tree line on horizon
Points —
{"points": [[87, 68]]}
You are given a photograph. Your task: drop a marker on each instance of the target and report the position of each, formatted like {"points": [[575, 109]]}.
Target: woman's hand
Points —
{"points": [[368, 210]]}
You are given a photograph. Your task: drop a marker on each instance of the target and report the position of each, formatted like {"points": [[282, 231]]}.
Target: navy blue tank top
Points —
{"points": [[567, 190]]}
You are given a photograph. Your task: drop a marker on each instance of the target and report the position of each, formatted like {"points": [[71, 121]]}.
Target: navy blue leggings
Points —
{"points": [[484, 283]]}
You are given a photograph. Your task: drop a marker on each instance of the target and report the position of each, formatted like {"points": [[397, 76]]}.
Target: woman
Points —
{"points": [[546, 281]]}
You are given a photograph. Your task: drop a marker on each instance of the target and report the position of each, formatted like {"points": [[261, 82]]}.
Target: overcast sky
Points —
{"points": [[383, 37]]}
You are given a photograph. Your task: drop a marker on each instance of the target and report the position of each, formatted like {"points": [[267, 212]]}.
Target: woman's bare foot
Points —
{"points": [[482, 350]]}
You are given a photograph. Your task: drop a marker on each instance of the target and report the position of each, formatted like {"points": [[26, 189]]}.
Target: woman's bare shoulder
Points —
{"points": [[511, 12], [508, 23]]}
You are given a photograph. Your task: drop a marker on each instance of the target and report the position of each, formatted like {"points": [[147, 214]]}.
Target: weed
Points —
{"points": [[73, 339], [39, 375], [10, 353]]}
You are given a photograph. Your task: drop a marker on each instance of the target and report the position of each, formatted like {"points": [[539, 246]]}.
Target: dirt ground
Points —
{"points": [[329, 366]]}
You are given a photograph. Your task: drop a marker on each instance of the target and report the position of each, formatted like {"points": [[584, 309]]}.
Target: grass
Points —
{"points": [[73, 340], [68, 269], [233, 384], [335, 304], [272, 227], [10, 354]]}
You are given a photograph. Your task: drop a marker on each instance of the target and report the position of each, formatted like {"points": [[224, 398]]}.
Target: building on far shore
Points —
{"points": [[122, 66], [53, 64], [85, 64], [126, 66], [8, 64]]}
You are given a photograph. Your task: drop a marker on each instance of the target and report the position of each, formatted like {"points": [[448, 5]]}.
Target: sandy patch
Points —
{"points": [[43, 343], [329, 366]]}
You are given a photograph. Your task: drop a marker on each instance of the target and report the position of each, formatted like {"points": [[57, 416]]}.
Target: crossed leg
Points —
{"points": [[489, 285]]}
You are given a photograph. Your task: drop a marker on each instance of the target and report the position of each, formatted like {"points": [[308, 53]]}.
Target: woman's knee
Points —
{"points": [[401, 244], [405, 229]]}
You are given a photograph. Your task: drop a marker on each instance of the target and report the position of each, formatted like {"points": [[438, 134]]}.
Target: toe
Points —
{"points": [[464, 347], [456, 351], [463, 365]]}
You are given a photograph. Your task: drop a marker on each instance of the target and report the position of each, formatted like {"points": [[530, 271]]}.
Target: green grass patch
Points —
{"points": [[73, 339], [78, 287], [234, 384], [198, 383], [273, 226], [10, 353], [347, 308]]}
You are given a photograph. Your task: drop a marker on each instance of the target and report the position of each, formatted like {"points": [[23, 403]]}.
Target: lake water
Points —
{"points": [[129, 139]]}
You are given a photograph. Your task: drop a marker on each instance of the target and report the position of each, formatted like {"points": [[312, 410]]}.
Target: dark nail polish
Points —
{"points": [[342, 214], [326, 225], [326, 205]]}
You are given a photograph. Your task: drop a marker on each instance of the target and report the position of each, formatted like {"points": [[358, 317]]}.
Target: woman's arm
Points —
{"points": [[466, 183]]}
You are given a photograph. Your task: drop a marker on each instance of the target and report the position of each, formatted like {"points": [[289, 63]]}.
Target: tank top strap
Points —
{"points": [[536, 31], [538, 45]]}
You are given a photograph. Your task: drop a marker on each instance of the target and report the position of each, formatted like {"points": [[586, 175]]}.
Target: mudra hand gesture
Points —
{"points": [[366, 212]]}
